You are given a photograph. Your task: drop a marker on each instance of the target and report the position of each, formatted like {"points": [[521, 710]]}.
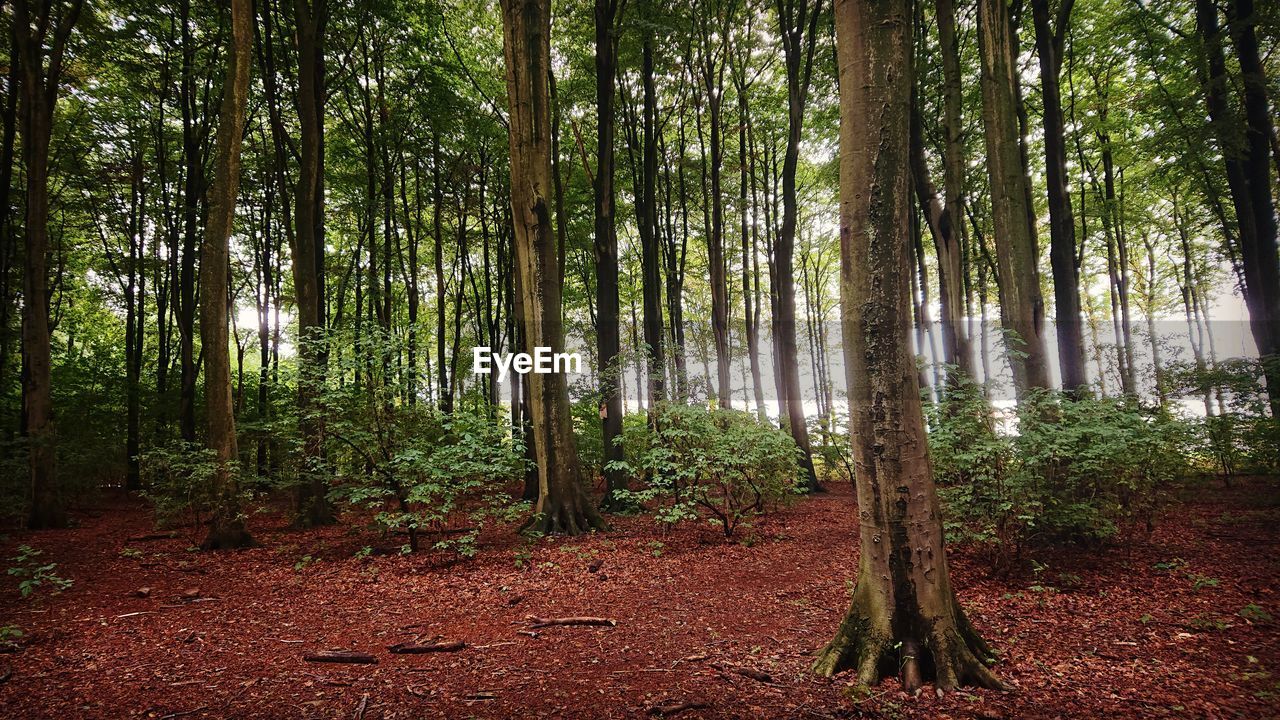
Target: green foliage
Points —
{"points": [[1077, 470], [1236, 435], [419, 469], [722, 462], [34, 574], [179, 478]]}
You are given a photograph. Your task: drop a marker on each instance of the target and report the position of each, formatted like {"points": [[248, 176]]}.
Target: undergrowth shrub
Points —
{"points": [[1235, 435], [422, 471], [1075, 470], [725, 465]]}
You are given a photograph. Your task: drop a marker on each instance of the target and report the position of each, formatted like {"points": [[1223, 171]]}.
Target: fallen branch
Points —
{"points": [[754, 674], [364, 704], [548, 622], [669, 709], [171, 716], [405, 648], [154, 536], [341, 656]]}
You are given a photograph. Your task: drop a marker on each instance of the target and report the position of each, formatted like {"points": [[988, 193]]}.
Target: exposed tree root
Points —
{"points": [[566, 518], [227, 536], [951, 657]]}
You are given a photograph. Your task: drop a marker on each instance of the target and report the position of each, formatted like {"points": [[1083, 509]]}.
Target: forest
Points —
{"points": [[639, 358]]}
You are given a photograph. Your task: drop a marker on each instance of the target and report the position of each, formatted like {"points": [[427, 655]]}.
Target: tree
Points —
{"points": [[562, 505], [226, 528], [1050, 36], [309, 254], [904, 612], [606, 249], [799, 30], [1021, 302], [41, 34]]}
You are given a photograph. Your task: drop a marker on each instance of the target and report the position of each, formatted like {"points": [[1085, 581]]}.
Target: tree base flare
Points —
{"points": [[951, 655], [230, 536], [566, 519]]}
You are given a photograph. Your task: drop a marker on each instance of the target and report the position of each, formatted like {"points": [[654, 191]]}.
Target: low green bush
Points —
{"points": [[690, 462], [1073, 470]]}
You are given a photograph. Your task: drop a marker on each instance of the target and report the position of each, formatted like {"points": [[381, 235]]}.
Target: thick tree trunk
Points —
{"points": [[1258, 253], [562, 505], [1021, 302], [606, 253], [226, 529], [39, 94], [1062, 224], [904, 613], [313, 508]]}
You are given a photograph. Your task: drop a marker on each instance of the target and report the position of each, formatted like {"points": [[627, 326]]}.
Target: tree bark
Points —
{"points": [[1258, 250], [1021, 302], [562, 505], [312, 507], [904, 612], [606, 252], [226, 529], [34, 27], [799, 30], [1062, 224]]}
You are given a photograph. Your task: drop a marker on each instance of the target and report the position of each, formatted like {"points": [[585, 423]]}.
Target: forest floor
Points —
{"points": [[1175, 624]]}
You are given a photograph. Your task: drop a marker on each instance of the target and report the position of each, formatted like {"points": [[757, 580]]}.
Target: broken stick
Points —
{"points": [[341, 656], [669, 709], [405, 648], [538, 622]]}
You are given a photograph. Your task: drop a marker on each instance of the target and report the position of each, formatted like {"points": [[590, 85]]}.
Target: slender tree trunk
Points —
{"points": [[904, 613], [1062, 224], [562, 505], [226, 529], [193, 145], [950, 222], [606, 252], [1021, 302], [799, 31]]}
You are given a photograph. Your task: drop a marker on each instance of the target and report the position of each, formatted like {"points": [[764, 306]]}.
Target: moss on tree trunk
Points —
{"points": [[904, 617]]}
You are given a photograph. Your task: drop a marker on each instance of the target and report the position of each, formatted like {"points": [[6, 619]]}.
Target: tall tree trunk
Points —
{"points": [[799, 30], [650, 261], [562, 505], [35, 27], [1062, 224], [312, 507], [226, 529], [904, 612], [1021, 302], [950, 230], [1257, 251], [193, 146], [712, 67], [606, 252]]}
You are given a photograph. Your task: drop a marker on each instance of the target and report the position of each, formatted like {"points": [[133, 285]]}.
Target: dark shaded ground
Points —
{"points": [[1090, 635]]}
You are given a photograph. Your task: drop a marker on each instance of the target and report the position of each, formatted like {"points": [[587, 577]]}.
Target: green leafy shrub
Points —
{"points": [[419, 469], [1077, 470], [725, 463], [1235, 435], [33, 573], [179, 482]]}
